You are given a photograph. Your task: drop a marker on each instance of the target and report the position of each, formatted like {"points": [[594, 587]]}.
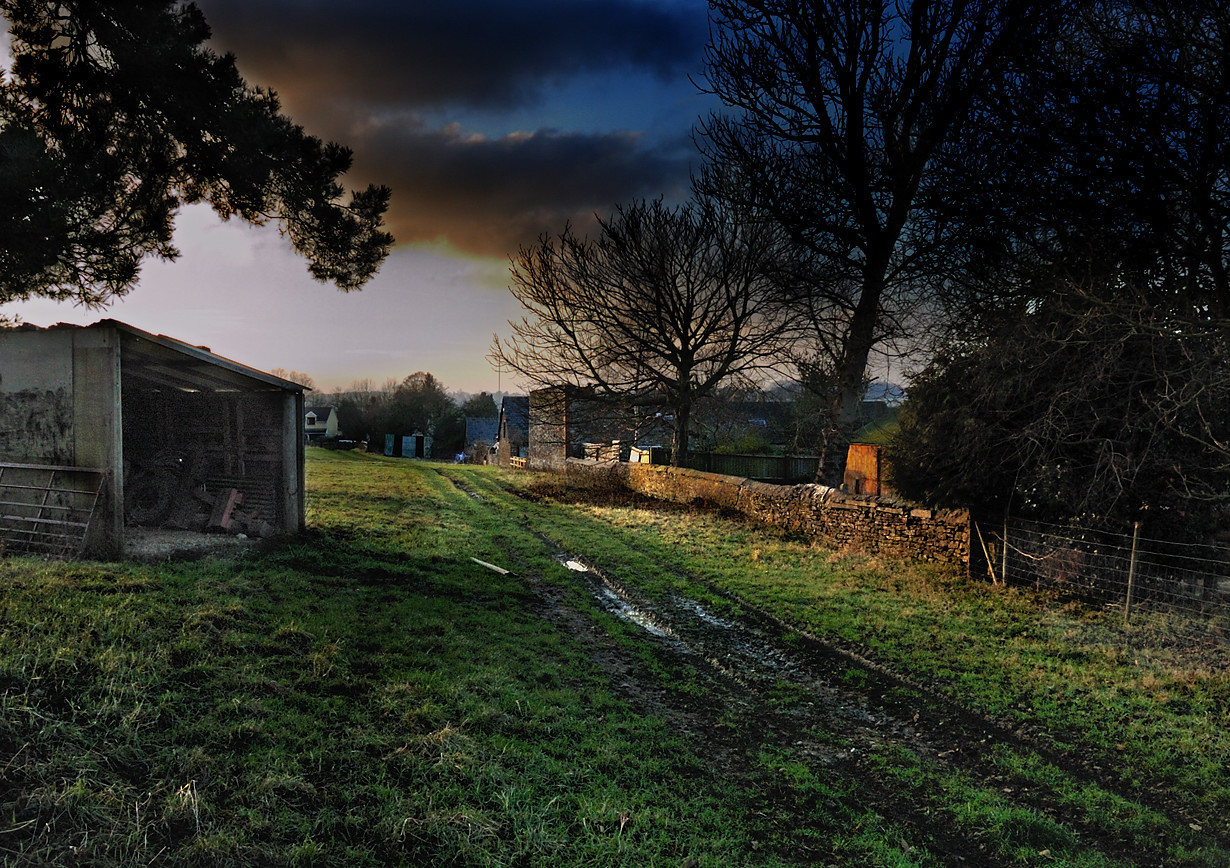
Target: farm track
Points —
{"points": [[766, 686]]}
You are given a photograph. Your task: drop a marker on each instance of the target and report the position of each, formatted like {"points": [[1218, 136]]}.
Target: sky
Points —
{"points": [[492, 121]]}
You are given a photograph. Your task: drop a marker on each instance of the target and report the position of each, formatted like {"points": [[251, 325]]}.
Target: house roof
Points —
{"points": [[515, 412], [482, 429], [321, 412]]}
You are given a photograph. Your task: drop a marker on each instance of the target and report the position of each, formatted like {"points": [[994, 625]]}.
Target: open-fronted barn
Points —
{"points": [[106, 428]]}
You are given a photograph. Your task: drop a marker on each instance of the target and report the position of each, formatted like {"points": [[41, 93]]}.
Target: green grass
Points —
{"points": [[1147, 713], [368, 695], [365, 696], [1160, 713]]}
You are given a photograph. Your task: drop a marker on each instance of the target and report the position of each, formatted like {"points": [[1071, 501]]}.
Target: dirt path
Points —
{"points": [[737, 687], [816, 704]]}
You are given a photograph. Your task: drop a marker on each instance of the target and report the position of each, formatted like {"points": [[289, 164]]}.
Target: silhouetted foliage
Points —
{"points": [[114, 115], [480, 406], [844, 112], [418, 404], [1084, 376], [1084, 409]]}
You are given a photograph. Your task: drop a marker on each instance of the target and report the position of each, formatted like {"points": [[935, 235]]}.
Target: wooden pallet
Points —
{"points": [[47, 509]]}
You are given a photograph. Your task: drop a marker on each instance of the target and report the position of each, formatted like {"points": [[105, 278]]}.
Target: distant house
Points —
{"points": [[320, 423], [514, 429], [482, 432]]}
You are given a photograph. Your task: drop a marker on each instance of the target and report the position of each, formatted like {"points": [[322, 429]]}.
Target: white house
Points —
{"points": [[319, 423]]}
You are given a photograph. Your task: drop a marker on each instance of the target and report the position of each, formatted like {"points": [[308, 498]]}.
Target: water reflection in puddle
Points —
{"points": [[704, 614], [629, 612], [613, 600], [734, 643]]}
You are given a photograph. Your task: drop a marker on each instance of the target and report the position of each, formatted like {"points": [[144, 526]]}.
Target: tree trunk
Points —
{"points": [[852, 373], [679, 441]]}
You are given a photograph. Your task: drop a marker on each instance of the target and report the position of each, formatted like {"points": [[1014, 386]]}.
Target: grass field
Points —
{"points": [[368, 694]]}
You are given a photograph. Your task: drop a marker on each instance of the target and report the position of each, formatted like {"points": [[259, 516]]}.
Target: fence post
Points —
{"points": [[986, 554], [1127, 605], [1004, 567]]}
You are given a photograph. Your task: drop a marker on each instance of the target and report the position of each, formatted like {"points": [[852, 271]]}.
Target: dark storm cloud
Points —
{"points": [[479, 54], [522, 185], [368, 73]]}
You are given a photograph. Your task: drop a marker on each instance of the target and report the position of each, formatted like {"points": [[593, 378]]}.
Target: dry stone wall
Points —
{"points": [[875, 525]]}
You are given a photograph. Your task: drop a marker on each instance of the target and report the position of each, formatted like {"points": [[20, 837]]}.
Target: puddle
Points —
{"points": [[614, 601], [737, 639], [704, 614], [735, 650], [624, 609], [764, 656], [759, 688]]}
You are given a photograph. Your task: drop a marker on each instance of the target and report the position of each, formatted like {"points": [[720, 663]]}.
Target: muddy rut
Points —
{"points": [[764, 685]]}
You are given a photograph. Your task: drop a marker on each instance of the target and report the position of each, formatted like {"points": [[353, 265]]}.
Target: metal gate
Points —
{"points": [[46, 509]]}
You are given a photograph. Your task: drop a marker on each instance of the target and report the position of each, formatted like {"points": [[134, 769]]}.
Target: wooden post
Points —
{"points": [[1004, 568], [225, 505], [1127, 604], [290, 518], [986, 554]]}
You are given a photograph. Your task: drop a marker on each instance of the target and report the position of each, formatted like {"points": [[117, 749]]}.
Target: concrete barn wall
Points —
{"points": [[59, 406], [99, 440], [36, 398], [878, 526]]}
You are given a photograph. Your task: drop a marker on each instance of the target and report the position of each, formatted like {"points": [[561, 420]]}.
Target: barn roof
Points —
{"points": [[163, 362]]}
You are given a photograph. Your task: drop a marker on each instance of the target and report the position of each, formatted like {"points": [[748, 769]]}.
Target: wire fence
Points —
{"points": [[782, 469], [1187, 585]]}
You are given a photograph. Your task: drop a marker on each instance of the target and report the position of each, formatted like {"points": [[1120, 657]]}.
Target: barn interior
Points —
{"points": [[205, 444]]}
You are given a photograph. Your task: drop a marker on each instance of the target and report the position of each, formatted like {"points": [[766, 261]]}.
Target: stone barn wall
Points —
{"points": [[875, 525], [549, 434]]}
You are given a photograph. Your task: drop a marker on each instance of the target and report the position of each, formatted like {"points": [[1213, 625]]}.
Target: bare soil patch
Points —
{"points": [[153, 545]]}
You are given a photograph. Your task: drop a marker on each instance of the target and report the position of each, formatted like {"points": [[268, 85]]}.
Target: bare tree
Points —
{"points": [[656, 312], [845, 109], [305, 380]]}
